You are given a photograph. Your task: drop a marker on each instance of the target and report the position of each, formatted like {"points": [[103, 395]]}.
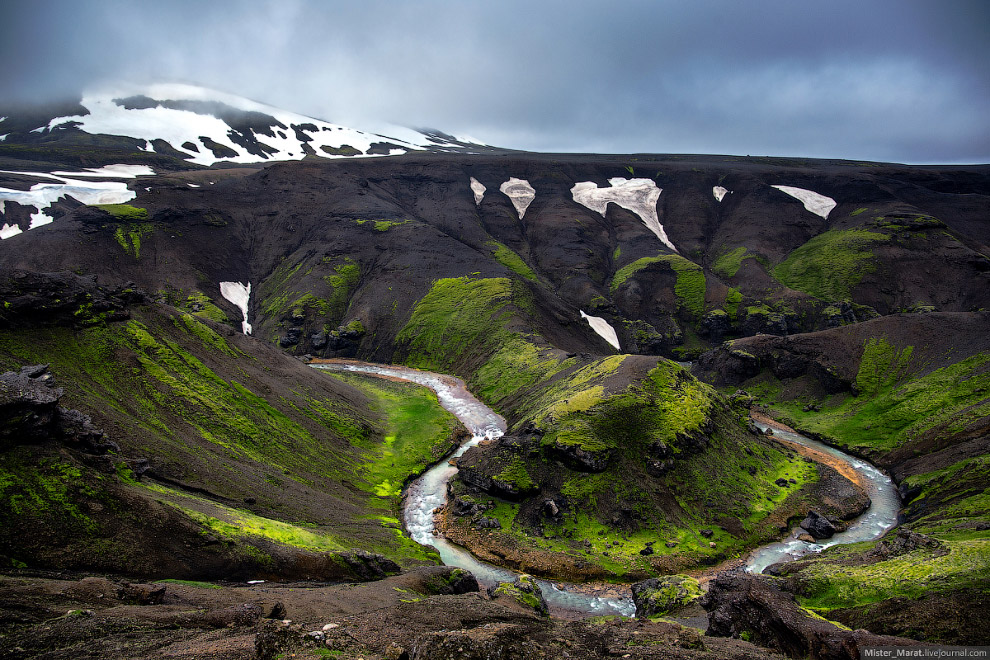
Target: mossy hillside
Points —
{"points": [[472, 327], [732, 299], [895, 407], [47, 488], [609, 517], [947, 502], [201, 305], [666, 406], [142, 380], [690, 285], [830, 265], [417, 434], [841, 579]]}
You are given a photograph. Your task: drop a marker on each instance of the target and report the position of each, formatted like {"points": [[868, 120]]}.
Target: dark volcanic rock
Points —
{"points": [[369, 566], [579, 458], [751, 606], [905, 541], [818, 526], [29, 413]]}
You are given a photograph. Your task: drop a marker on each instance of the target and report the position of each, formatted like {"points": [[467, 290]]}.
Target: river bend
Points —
{"points": [[429, 491]]}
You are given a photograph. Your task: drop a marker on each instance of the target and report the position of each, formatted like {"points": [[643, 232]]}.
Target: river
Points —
{"points": [[429, 491]]}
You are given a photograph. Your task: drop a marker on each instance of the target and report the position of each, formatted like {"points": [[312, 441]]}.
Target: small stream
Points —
{"points": [[429, 492]]}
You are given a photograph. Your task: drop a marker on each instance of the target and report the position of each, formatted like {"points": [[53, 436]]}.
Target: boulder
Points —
{"points": [[659, 596], [447, 580], [818, 525], [523, 591]]}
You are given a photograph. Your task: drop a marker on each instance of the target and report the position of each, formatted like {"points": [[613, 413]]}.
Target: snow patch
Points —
{"points": [[4, 137], [520, 192], [813, 202], [478, 188], [39, 219], [193, 185], [602, 327], [9, 230], [112, 171], [720, 192], [637, 195], [238, 295]]}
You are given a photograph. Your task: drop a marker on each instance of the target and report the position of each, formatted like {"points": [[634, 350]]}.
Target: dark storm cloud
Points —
{"points": [[884, 79]]}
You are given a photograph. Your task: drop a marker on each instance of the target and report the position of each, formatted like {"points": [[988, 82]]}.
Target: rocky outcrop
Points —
{"points": [[580, 458], [752, 607], [368, 565], [659, 596], [65, 299], [29, 413]]}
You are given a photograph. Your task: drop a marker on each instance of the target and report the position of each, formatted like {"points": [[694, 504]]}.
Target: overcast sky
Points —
{"points": [[898, 80]]}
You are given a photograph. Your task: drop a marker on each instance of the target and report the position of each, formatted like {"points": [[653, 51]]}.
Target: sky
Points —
{"points": [[888, 80]]}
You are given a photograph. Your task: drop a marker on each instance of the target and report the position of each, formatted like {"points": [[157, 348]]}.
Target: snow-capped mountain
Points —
{"points": [[205, 127]]}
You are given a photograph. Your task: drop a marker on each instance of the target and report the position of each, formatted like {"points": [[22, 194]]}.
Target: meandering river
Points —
{"points": [[428, 492]]}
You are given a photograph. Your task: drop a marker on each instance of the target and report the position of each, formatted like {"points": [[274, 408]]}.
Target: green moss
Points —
{"points": [[385, 225], [205, 334], [190, 583], [515, 473], [862, 209], [727, 265], [204, 307], [831, 264], [511, 260], [732, 299], [51, 488], [124, 212], [881, 366], [237, 523], [130, 238]]}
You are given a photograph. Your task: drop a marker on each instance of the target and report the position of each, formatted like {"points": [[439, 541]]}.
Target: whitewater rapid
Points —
{"points": [[429, 492]]}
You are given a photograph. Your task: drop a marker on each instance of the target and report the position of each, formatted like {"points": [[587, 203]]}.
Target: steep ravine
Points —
{"points": [[428, 492]]}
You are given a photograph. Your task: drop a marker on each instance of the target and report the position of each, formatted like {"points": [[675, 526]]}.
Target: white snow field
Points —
{"points": [[603, 328], [239, 295], [814, 202], [520, 192], [720, 192], [43, 195], [637, 195], [182, 126]]}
